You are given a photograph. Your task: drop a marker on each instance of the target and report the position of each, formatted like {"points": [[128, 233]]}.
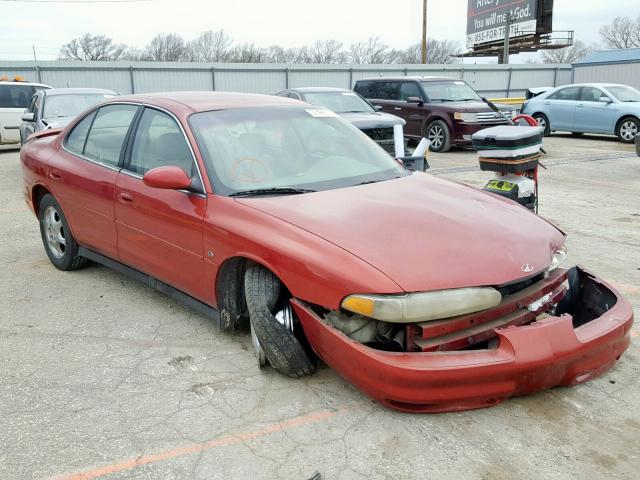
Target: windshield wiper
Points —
{"points": [[271, 191]]}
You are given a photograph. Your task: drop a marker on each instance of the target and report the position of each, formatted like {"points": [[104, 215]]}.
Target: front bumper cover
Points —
{"points": [[547, 353]]}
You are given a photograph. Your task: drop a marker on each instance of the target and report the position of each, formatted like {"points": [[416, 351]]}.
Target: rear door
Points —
{"points": [[562, 108], [84, 174], [160, 232], [381, 92], [592, 115]]}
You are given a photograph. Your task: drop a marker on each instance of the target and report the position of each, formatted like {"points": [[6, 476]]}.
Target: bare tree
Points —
{"points": [[277, 54], [622, 32], [247, 53], [567, 55], [166, 47], [209, 46], [439, 51], [327, 51], [90, 47], [371, 51]]}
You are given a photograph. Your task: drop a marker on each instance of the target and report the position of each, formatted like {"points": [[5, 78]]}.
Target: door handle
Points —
{"points": [[125, 197], [53, 175], [547, 103], [397, 108], [580, 105]]}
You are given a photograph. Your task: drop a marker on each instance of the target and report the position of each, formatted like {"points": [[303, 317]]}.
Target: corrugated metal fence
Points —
{"points": [[141, 77]]}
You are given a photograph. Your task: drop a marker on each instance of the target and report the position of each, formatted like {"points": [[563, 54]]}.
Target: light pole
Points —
{"points": [[424, 31]]}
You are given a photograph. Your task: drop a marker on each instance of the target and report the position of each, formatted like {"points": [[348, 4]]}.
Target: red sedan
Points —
{"points": [[427, 294]]}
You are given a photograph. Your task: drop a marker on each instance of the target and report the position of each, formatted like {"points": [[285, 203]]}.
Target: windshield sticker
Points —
{"points": [[320, 113], [349, 94], [459, 83]]}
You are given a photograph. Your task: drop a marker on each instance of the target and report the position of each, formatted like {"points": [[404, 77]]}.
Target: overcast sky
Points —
{"points": [[288, 23]]}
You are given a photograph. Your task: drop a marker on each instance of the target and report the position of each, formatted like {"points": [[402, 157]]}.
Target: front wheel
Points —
{"points": [[543, 121], [273, 335], [438, 134], [59, 244], [627, 129]]}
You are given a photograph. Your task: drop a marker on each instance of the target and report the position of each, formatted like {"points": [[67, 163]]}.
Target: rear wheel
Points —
{"points": [[543, 121], [627, 129], [273, 326], [59, 244], [438, 134]]}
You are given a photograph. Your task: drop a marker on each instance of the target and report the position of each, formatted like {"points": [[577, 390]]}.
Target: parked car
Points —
{"points": [[14, 98], [55, 107], [447, 111], [266, 210], [588, 108], [354, 109]]}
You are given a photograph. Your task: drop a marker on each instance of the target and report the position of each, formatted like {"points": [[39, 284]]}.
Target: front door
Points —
{"points": [[593, 115], [412, 113], [160, 231]]}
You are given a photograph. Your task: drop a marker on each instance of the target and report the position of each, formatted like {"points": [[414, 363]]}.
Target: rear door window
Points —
{"points": [[569, 93], [108, 132], [15, 96], [76, 140]]}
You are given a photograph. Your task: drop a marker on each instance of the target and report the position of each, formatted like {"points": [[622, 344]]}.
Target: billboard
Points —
{"points": [[487, 19]]}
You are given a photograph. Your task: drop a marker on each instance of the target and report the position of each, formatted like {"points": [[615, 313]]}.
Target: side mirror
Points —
{"points": [[168, 178], [28, 117], [417, 100], [605, 99], [377, 108]]}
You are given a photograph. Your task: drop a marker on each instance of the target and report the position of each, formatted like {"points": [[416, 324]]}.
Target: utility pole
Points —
{"points": [[35, 61], [424, 31], [507, 32]]}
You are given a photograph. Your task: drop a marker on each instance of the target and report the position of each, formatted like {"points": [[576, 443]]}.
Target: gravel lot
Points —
{"points": [[102, 377]]}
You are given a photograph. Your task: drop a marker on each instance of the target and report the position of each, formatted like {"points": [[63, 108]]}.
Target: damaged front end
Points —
{"points": [[559, 328]]}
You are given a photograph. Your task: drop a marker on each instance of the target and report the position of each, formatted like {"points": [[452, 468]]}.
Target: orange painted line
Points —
{"points": [[635, 333], [131, 463]]}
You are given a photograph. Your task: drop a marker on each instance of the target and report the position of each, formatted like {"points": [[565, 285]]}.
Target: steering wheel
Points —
{"points": [[253, 167]]}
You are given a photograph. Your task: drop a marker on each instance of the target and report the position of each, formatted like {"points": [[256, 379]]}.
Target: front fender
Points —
{"points": [[312, 268]]}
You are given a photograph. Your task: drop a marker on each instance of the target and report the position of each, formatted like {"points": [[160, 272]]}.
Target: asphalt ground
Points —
{"points": [[102, 377]]}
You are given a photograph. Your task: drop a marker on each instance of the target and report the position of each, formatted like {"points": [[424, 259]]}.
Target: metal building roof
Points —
{"points": [[625, 55]]}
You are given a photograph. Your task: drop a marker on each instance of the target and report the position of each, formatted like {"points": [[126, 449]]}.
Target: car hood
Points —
{"points": [[423, 232], [364, 120], [57, 122]]}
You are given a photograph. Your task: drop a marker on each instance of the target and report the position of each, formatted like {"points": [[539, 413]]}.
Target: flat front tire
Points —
{"points": [[277, 341], [58, 241]]}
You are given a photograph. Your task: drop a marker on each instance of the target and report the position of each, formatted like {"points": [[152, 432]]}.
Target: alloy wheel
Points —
{"points": [[54, 230], [436, 137], [628, 130]]}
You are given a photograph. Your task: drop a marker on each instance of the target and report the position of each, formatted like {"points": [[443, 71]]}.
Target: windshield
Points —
{"points": [[69, 105], [449, 91], [624, 93], [339, 102], [287, 147]]}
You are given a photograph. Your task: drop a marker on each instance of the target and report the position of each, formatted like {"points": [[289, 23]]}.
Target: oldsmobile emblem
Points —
{"points": [[527, 268]]}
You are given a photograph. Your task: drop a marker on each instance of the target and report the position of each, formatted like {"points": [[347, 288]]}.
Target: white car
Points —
{"points": [[14, 99]]}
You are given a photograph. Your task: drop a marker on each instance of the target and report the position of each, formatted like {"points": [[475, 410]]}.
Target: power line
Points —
{"points": [[76, 1]]}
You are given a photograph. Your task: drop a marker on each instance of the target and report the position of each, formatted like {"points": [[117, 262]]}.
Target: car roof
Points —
{"points": [[318, 89], [29, 84], [603, 85], [192, 102], [409, 77], [71, 91]]}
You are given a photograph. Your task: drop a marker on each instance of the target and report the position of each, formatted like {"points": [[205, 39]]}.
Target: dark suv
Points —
{"points": [[445, 110]]}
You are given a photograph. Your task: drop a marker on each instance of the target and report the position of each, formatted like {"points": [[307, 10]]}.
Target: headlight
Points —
{"points": [[466, 117], [558, 258], [422, 306]]}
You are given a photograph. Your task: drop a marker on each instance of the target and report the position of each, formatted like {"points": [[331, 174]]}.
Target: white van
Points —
{"points": [[14, 99]]}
